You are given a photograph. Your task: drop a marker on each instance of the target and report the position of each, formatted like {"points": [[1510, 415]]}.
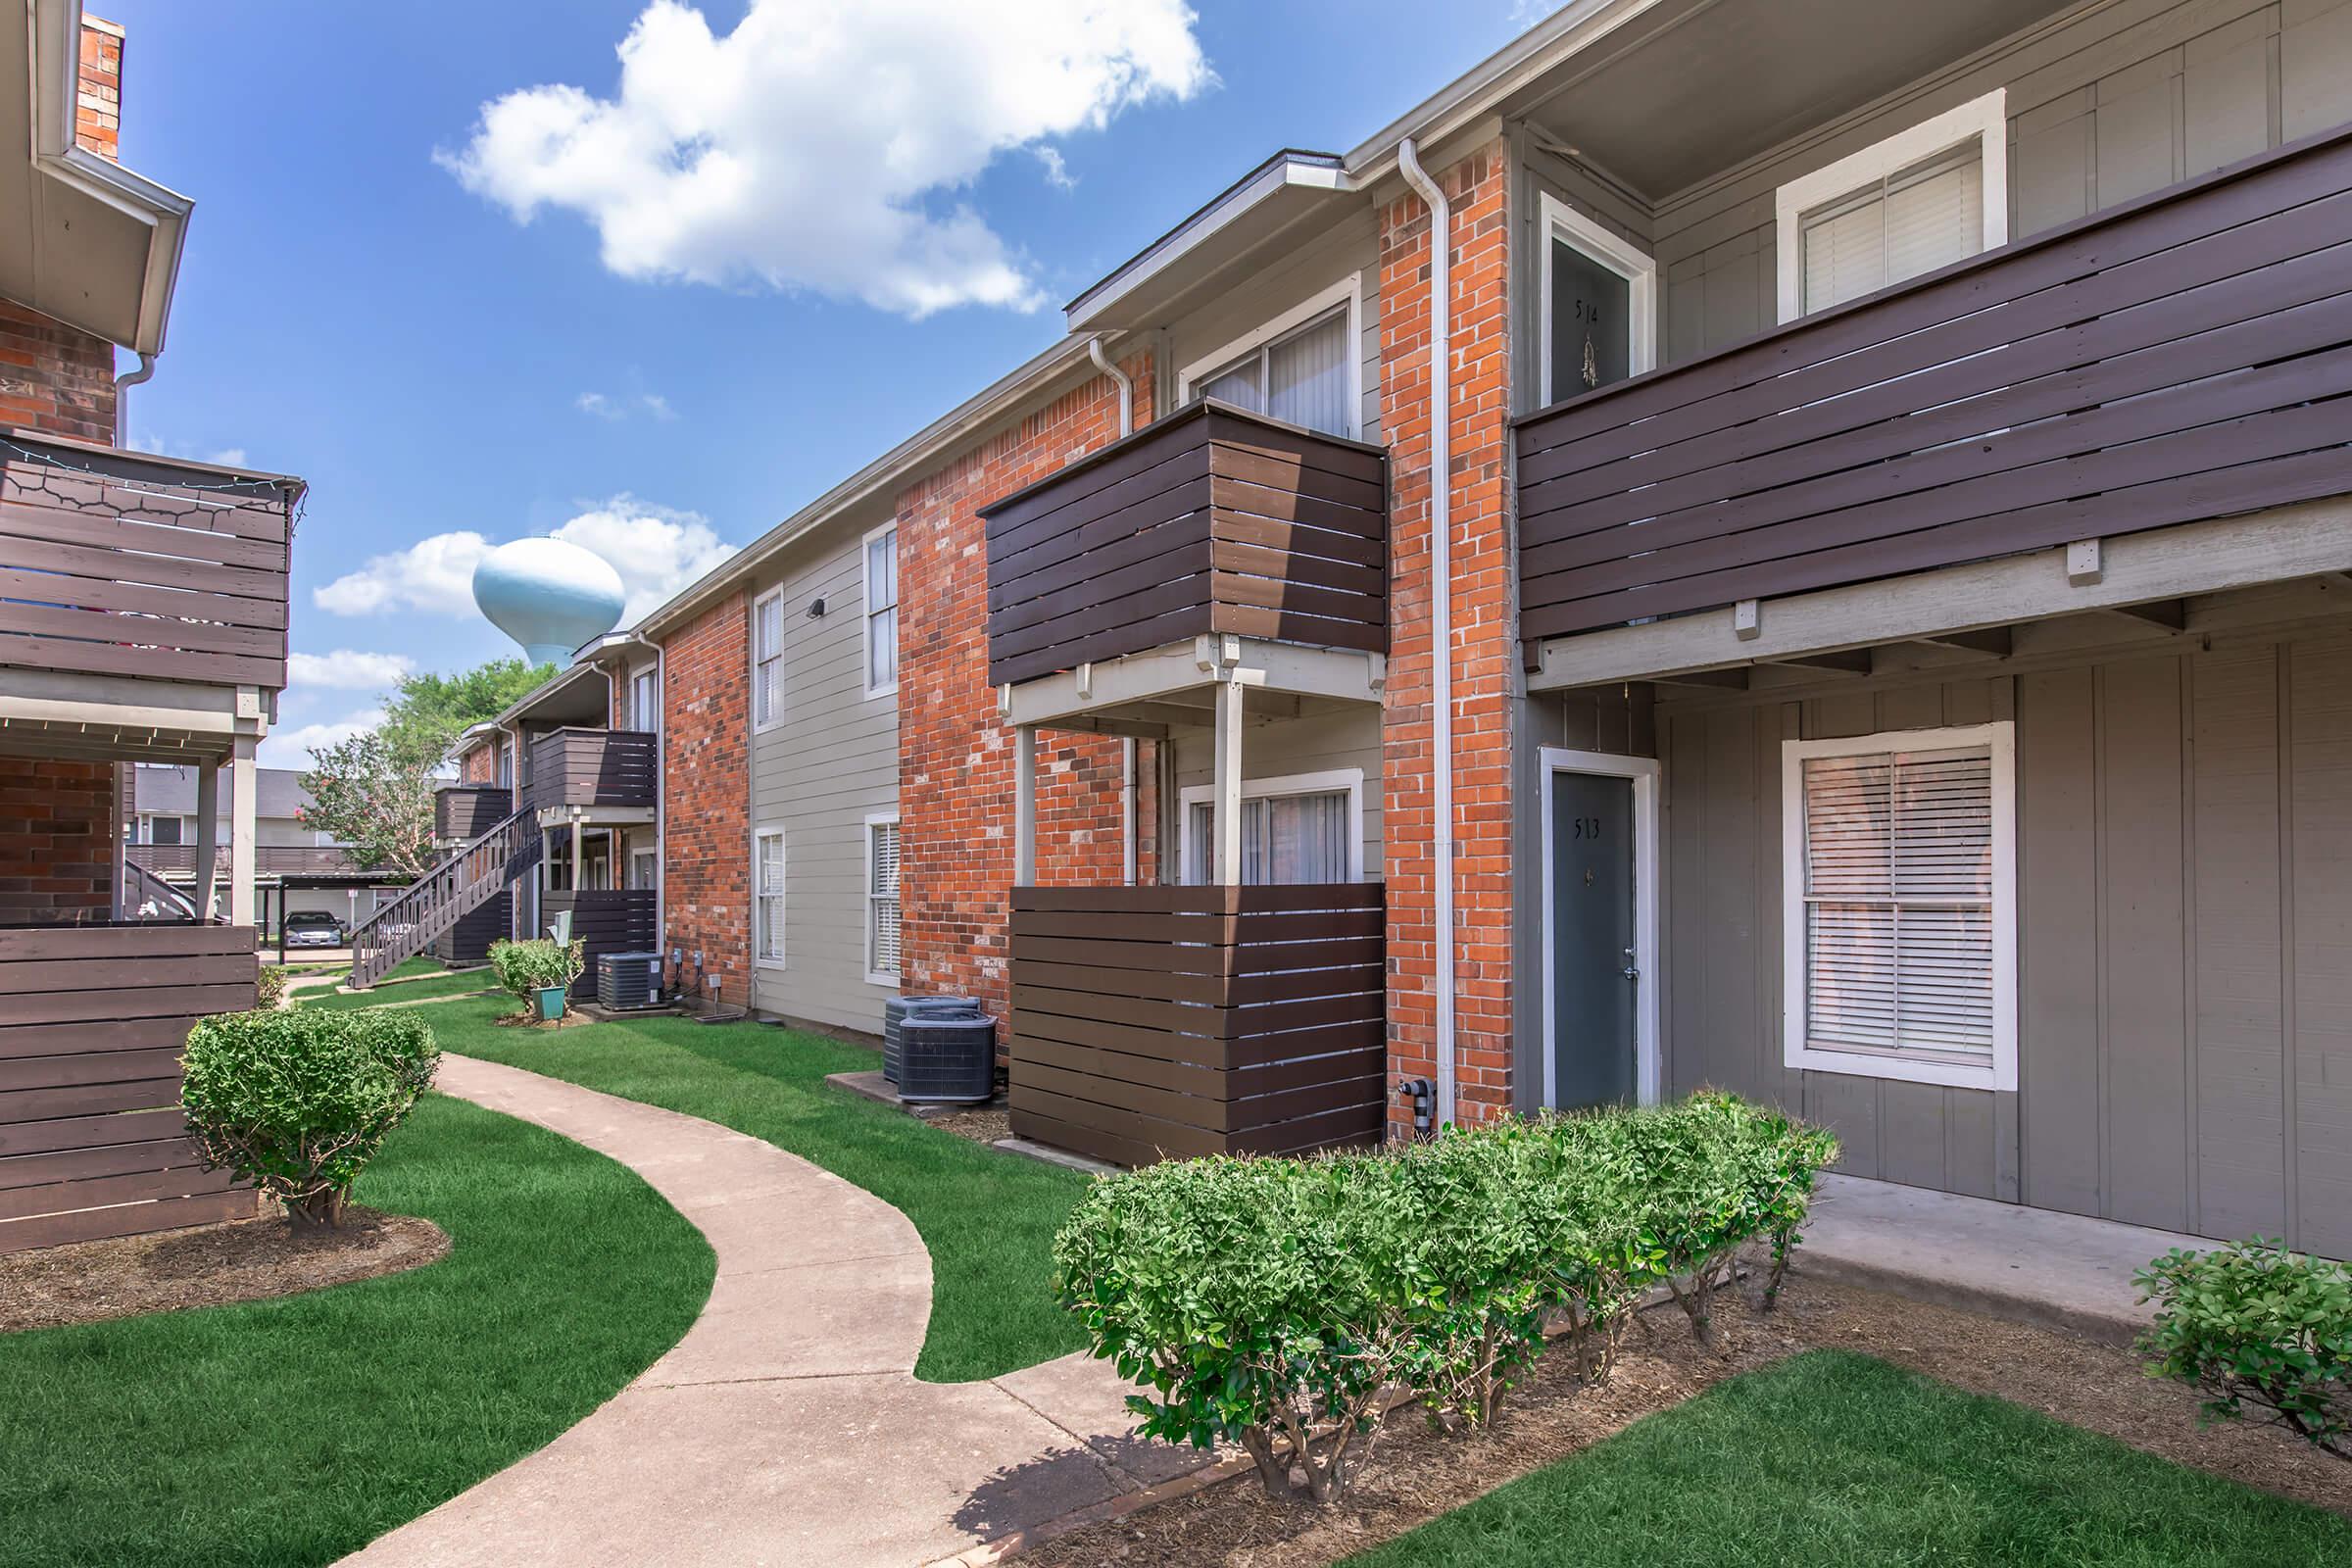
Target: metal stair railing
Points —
{"points": [[140, 885], [447, 894]]}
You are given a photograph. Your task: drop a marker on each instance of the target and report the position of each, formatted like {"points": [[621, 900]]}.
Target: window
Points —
{"points": [[768, 659], [882, 900], [645, 699], [1926, 198], [1301, 367], [1308, 827], [1900, 905], [882, 611], [645, 869], [768, 897], [168, 830]]}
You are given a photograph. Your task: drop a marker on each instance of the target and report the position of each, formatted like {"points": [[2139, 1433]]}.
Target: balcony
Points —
{"points": [[1150, 1022], [592, 767], [116, 563], [605, 921], [2178, 358], [463, 812], [177, 862], [1213, 519]]}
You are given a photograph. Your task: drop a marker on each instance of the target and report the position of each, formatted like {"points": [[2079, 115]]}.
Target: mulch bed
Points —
{"points": [[206, 1265], [982, 1124], [1417, 1476]]}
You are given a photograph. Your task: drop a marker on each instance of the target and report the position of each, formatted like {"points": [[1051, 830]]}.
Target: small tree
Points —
{"points": [[299, 1103]]}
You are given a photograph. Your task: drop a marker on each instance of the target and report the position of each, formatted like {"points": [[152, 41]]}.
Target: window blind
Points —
{"points": [[1913, 222], [770, 896], [882, 897], [1899, 903], [882, 611], [1302, 377], [767, 683]]}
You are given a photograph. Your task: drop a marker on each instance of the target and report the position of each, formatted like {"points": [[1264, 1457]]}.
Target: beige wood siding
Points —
{"points": [[2121, 98], [2184, 840], [830, 762]]}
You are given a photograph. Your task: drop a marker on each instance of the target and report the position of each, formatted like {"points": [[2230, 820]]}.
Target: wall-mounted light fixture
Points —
{"points": [[817, 608]]}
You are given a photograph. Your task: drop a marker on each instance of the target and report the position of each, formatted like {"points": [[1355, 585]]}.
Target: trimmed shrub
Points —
{"points": [[269, 989], [1269, 1302], [525, 967], [2252, 1324], [298, 1103]]}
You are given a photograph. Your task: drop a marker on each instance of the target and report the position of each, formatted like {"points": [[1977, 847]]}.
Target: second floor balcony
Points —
{"points": [[2180, 357], [1212, 520], [592, 767]]}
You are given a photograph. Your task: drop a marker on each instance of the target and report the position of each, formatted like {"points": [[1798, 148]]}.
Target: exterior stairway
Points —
{"points": [[441, 897]]}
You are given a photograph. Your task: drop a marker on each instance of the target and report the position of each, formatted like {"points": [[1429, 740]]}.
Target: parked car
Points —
{"points": [[314, 928]]}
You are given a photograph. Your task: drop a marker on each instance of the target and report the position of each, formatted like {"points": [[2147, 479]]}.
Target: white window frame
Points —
{"points": [[636, 718], [1347, 291], [1986, 119], [1612, 251], [774, 830], [2000, 1074], [875, 976], [761, 726], [1645, 774], [1326, 782], [866, 609]]}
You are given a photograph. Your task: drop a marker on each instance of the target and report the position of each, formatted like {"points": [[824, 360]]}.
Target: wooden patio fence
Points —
{"points": [[92, 1022], [1163, 1021]]}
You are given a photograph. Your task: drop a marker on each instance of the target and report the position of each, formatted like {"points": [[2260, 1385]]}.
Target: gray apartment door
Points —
{"points": [[1594, 1048], [1592, 322]]}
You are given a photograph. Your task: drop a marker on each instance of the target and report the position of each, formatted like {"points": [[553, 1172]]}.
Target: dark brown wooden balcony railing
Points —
{"points": [[592, 767], [2181, 356], [1155, 1023], [122, 571], [1214, 520], [462, 812], [605, 921], [179, 860]]}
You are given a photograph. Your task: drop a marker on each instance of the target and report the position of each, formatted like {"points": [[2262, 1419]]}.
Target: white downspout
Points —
{"points": [[1441, 592], [1127, 781], [123, 385]]}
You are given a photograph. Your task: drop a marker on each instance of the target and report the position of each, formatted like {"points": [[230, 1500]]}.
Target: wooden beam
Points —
{"points": [[1024, 807], [1721, 680], [1225, 810], [1849, 661], [1993, 641], [2171, 614]]}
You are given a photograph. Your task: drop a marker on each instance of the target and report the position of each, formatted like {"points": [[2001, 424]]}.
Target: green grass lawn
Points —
{"points": [[1830, 1459], [435, 984], [988, 1217], [294, 1431]]}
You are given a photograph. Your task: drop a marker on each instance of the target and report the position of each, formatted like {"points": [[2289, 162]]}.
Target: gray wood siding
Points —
{"points": [[2119, 99], [829, 761], [2184, 927]]}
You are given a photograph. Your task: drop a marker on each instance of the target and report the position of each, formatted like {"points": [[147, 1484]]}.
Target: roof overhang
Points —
{"points": [[1289, 189], [577, 694], [82, 239]]}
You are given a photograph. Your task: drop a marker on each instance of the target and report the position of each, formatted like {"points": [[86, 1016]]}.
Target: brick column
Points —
{"points": [[707, 793], [956, 808], [1482, 608]]}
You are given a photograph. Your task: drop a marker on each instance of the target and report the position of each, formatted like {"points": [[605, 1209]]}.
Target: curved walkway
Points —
{"points": [[787, 1427]]}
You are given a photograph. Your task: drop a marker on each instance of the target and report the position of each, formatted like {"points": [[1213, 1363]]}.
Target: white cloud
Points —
{"points": [[292, 747], [657, 552], [434, 576], [348, 669], [818, 145], [1057, 173], [653, 405]]}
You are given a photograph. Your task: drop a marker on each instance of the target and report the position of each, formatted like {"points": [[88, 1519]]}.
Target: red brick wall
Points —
{"points": [[57, 838], [480, 764], [706, 781], [98, 100], [1483, 619], [956, 786]]}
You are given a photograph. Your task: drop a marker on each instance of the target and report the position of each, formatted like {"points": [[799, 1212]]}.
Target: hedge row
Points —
{"points": [[1269, 1301]]}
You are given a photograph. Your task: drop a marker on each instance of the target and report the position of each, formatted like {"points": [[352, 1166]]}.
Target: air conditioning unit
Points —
{"points": [[898, 1010], [626, 980], [947, 1059]]}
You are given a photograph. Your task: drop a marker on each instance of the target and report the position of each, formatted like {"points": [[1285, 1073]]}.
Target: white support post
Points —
{"points": [[208, 835], [1225, 810], [579, 858], [1025, 806], [242, 783]]}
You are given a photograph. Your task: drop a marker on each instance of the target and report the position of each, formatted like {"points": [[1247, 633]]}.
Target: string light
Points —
{"points": [[106, 470]]}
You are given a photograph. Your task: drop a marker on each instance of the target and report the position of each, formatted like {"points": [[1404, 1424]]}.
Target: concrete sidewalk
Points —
{"points": [[787, 1427], [2062, 1271]]}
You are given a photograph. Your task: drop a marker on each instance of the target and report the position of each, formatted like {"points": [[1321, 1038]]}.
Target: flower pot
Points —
{"points": [[550, 1003]]}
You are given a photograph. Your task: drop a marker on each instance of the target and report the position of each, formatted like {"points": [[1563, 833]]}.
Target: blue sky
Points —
{"points": [[713, 352]]}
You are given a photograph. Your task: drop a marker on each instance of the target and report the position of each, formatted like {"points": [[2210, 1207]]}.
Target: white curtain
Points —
{"points": [[1285, 839]]}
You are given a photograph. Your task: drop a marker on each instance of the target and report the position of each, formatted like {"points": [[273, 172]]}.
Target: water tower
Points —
{"points": [[549, 596]]}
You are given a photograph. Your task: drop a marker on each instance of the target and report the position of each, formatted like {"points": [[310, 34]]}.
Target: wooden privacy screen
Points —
{"points": [[171, 582], [1158, 1021], [92, 1022], [617, 920], [592, 767], [1215, 519], [466, 811], [2180, 357]]}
